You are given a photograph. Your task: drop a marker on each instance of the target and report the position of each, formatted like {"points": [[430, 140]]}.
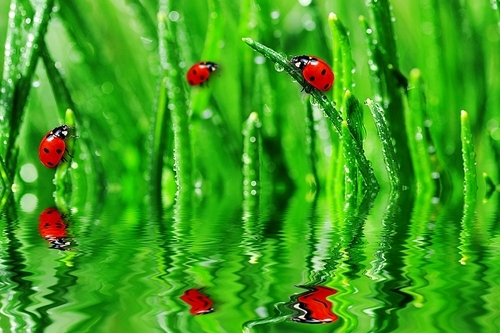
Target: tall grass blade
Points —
{"points": [[388, 149], [325, 104]]}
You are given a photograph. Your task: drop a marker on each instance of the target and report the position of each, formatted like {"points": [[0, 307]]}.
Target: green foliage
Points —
{"points": [[120, 67]]}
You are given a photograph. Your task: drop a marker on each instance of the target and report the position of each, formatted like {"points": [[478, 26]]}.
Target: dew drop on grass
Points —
{"points": [[275, 15], [278, 67], [313, 101]]}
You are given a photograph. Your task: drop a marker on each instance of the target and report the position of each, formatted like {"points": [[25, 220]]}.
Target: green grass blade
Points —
{"points": [[251, 157], [183, 164], [388, 150], [388, 83], [350, 168], [468, 233], [211, 52], [469, 162], [9, 81], [418, 141], [19, 67], [160, 138], [343, 62], [63, 183], [324, 103]]}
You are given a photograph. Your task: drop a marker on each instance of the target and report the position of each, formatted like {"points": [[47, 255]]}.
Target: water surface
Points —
{"points": [[293, 265]]}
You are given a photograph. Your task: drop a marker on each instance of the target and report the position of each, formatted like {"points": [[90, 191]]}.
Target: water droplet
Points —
{"points": [[279, 67], [275, 15], [305, 3], [369, 31]]}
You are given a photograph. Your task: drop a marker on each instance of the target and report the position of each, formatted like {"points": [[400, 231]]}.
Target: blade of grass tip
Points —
{"points": [[183, 165], [418, 142], [388, 150], [346, 65], [490, 187], [251, 157], [469, 161], [334, 116], [60, 178], [338, 87]]}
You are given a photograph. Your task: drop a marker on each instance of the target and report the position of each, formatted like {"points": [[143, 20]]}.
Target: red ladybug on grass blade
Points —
{"points": [[199, 302], [315, 71], [200, 72], [53, 146]]}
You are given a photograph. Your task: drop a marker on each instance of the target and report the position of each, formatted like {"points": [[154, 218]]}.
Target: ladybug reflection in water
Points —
{"points": [[199, 302], [53, 229], [313, 306]]}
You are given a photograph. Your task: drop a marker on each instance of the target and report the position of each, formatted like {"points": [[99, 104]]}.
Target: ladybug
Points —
{"points": [[53, 146], [314, 307], [200, 72], [52, 228], [199, 302], [315, 71]]}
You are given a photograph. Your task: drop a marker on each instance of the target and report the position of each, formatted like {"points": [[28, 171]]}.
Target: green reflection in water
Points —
{"points": [[395, 265]]}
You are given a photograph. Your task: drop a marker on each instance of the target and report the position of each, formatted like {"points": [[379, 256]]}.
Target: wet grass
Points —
{"points": [[120, 67]]}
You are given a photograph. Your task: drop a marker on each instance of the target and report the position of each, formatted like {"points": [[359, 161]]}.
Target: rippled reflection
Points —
{"points": [[397, 265]]}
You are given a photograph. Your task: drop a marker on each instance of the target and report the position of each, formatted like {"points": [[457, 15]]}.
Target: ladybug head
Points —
{"points": [[59, 243], [61, 131], [212, 66], [300, 61]]}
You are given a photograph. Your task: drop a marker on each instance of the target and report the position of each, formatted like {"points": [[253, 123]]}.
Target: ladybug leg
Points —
{"points": [[67, 151], [306, 87]]}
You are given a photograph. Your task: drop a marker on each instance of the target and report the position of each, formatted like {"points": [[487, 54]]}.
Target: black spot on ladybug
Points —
{"points": [[58, 151], [191, 82], [323, 72], [46, 150], [326, 86], [202, 77], [194, 71], [312, 78], [50, 163]]}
